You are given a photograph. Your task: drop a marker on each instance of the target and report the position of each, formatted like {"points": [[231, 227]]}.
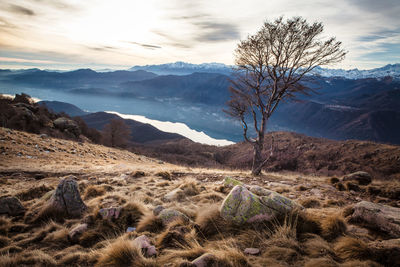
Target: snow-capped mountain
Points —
{"points": [[392, 70], [183, 68]]}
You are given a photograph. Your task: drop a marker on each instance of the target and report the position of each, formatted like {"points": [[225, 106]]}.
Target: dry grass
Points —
{"points": [[34, 257], [348, 248], [123, 252], [94, 191], [150, 222], [333, 226], [34, 192], [312, 237], [310, 203]]}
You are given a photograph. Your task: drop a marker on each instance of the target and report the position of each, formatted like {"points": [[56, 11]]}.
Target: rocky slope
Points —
{"points": [[123, 209]]}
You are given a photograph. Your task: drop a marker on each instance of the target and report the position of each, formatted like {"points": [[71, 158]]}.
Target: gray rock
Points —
{"points": [[377, 217], [66, 199], [110, 213], [169, 215], [143, 243], [157, 210], [11, 206], [77, 231], [252, 251], [362, 178], [242, 206]]}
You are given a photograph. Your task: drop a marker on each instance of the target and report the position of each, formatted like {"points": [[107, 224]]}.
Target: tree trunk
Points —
{"points": [[257, 158]]}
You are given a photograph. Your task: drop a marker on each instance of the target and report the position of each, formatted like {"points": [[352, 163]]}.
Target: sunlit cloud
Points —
{"points": [[124, 33]]}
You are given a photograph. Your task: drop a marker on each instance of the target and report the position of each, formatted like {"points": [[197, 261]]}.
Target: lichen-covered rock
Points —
{"points": [[377, 217], [169, 215], [230, 182], [362, 178], [110, 213], [11, 206], [67, 200], [242, 206], [143, 242]]}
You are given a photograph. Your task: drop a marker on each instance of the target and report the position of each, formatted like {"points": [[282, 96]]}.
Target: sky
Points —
{"points": [[118, 34]]}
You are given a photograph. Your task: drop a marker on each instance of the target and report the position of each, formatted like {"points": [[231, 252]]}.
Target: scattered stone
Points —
{"points": [[11, 206], [157, 210], [362, 178], [204, 260], [130, 229], [377, 217], [110, 213], [242, 206], [252, 251], [143, 243], [169, 215], [66, 199], [76, 232]]}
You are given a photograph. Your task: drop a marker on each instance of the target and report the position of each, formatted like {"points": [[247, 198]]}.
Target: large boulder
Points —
{"points": [[66, 199], [379, 217], [11, 206], [362, 178], [242, 206], [67, 125]]}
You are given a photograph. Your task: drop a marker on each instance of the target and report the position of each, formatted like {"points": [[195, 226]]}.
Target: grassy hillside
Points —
{"points": [[32, 166]]}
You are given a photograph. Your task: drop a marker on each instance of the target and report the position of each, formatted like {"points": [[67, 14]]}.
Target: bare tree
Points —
{"points": [[269, 67], [116, 133]]}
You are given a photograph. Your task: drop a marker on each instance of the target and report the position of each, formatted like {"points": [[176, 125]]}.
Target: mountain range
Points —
{"points": [[343, 107]]}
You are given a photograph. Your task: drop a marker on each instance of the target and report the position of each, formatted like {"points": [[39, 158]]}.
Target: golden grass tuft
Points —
{"points": [[190, 187], [94, 191], [284, 254], [177, 235], [150, 222], [34, 192], [209, 223], [33, 258], [4, 241], [310, 203], [333, 226], [358, 263], [138, 174], [123, 252], [334, 180], [325, 262], [5, 225], [130, 215], [316, 247], [165, 175], [349, 248]]}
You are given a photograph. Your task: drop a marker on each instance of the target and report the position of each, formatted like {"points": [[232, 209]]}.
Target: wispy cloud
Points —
{"points": [[21, 10]]}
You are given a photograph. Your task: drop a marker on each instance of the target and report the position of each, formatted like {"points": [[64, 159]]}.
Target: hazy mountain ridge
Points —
{"points": [[342, 108]]}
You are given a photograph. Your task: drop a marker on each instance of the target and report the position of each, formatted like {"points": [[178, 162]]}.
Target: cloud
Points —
{"points": [[216, 32], [148, 46], [21, 10]]}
